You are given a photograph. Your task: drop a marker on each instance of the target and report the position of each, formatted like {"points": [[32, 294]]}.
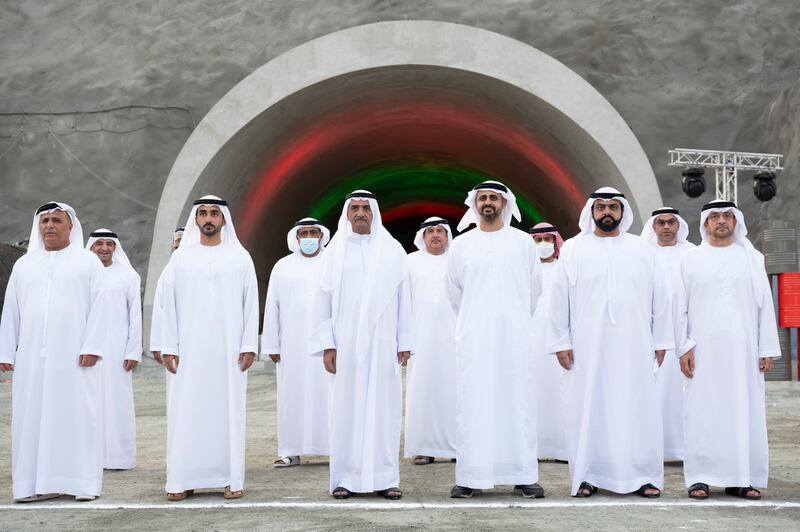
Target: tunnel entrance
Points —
{"points": [[416, 112]]}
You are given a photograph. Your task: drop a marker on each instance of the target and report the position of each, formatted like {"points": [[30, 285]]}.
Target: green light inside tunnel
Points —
{"points": [[407, 193]]}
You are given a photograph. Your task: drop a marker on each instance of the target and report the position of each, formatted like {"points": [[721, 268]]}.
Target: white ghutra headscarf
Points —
{"points": [[433, 221], [291, 237], [386, 269], [191, 233], [119, 256], [755, 262], [35, 242], [472, 216], [649, 234]]}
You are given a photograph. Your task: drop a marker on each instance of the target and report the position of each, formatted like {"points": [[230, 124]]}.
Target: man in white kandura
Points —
{"points": [[210, 339], [431, 388], [547, 372], [610, 316], [363, 309], [156, 321], [495, 281], [122, 350], [302, 381], [727, 338], [666, 231], [51, 334]]}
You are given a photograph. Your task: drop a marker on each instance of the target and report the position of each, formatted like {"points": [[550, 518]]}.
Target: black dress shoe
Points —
{"points": [[462, 492], [534, 491]]}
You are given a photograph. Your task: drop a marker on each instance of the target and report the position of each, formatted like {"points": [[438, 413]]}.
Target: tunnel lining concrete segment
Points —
{"points": [[396, 44]]}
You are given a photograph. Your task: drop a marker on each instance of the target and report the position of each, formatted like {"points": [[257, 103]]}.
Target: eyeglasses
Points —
{"points": [[666, 223]]}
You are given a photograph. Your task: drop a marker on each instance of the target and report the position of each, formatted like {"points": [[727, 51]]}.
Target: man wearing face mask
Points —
{"points": [[548, 374], [610, 317], [302, 380]]}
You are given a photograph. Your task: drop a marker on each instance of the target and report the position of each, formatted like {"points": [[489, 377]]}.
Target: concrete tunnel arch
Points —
{"points": [[417, 111]]}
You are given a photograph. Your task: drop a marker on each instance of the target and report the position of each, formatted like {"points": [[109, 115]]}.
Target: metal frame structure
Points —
{"points": [[726, 165]]}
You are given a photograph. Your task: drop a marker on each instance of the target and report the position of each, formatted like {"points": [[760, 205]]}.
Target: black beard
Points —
{"points": [[607, 228], [213, 230], [490, 217]]}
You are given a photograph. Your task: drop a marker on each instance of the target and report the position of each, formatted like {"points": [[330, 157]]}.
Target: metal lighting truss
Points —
{"points": [[726, 165]]}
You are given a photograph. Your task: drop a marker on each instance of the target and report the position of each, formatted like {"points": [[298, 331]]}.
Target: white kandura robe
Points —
{"points": [[431, 386], [669, 379], [724, 407], [210, 317], [549, 379], [157, 326], [54, 311], [494, 283], [303, 383], [157, 316], [123, 341], [614, 317], [366, 397]]}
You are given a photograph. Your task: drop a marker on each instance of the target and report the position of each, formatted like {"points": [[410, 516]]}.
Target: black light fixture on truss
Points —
{"points": [[764, 186], [726, 165], [693, 182]]}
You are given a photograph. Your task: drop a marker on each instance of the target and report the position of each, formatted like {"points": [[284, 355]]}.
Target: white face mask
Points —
{"points": [[545, 250]]}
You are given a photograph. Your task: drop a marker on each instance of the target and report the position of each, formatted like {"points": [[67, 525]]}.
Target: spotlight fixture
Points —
{"points": [[764, 186], [693, 182]]}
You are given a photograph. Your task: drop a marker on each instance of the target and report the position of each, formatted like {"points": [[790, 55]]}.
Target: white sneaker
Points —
{"points": [[37, 498], [85, 498]]}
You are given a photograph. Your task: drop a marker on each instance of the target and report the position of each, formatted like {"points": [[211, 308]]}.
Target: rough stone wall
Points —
{"points": [[98, 97]]}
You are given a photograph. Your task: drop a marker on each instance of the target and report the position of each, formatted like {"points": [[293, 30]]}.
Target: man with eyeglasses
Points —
{"points": [[667, 232]]}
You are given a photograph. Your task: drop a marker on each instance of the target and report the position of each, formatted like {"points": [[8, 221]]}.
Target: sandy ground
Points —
{"points": [[296, 498]]}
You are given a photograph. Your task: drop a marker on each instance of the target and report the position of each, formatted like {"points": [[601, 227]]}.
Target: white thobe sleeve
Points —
{"points": [[271, 331], [156, 315], [133, 349], [683, 342], [768, 342], [97, 320], [249, 340], [322, 337], [558, 323], [170, 338], [454, 282], [9, 323], [536, 277], [405, 322], [662, 318]]}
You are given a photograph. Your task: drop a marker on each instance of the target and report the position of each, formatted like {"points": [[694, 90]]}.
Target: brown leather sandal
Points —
{"points": [[228, 494], [179, 496]]}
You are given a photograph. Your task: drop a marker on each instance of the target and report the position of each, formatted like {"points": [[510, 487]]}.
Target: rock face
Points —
{"points": [[98, 98], [8, 256]]}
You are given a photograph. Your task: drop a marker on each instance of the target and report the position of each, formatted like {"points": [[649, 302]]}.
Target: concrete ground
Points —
{"points": [[296, 498]]}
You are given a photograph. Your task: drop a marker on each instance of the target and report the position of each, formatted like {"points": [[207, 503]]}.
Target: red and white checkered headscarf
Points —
{"points": [[544, 229]]}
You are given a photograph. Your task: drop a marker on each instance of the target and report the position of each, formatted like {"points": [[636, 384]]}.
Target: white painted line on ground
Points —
{"points": [[397, 505]]}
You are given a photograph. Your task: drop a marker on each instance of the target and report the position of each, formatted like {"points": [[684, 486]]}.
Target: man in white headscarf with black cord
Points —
{"points": [[364, 326], [123, 349], [495, 281], [52, 333], [431, 388], [210, 340], [610, 317], [156, 322], [727, 338], [302, 402], [667, 232]]}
